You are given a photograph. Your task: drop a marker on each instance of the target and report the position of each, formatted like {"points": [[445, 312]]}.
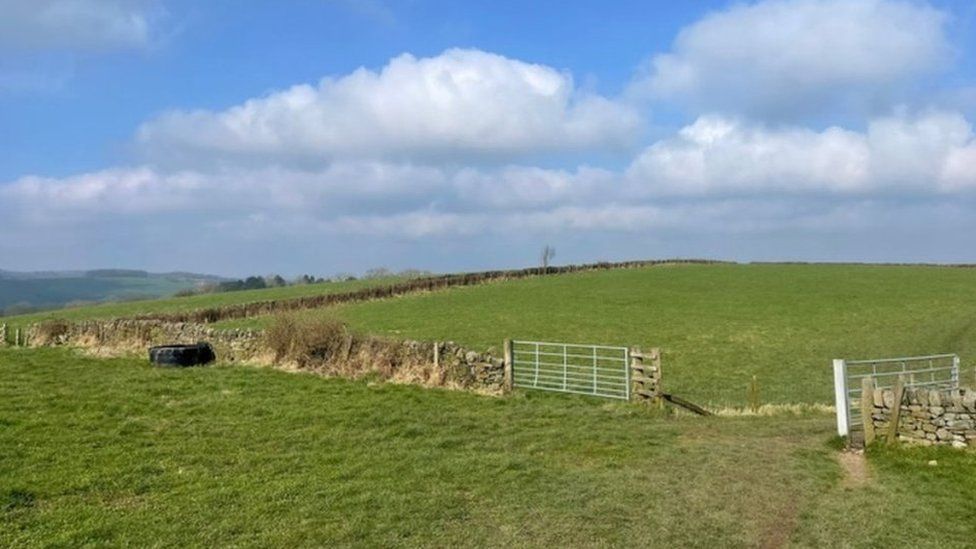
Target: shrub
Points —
{"points": [[305, 340], [50, 330]]}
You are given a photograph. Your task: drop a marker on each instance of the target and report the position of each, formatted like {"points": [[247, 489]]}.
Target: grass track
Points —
{"points": [[718, 325], [112, 452]]}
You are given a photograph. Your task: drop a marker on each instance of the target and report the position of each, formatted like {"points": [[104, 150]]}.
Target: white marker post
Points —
{"points": [[840, 397]]}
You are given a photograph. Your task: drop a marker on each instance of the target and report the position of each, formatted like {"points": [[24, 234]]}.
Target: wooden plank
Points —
{"points": [[895, 416], [656, 363], [867, 409], [686, 404]]}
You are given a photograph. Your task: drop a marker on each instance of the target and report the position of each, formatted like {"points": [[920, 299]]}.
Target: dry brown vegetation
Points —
{"points": [[327, 347], [50, 331]]}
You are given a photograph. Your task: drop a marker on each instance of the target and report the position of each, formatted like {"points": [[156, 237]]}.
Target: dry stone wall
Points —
{"points": [[135, 335], [425, 363], [928, 417]]}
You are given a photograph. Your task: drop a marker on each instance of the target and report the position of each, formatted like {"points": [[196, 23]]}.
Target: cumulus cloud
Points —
{"points": [[78, 24], [705, 171], [461, 102], [932, 152], [779, 59]]}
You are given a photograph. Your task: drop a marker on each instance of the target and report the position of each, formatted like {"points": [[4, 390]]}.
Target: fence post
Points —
{"points": [[867, 409], [955, 372], [656, 375], [754, 395], [508, 376], [635, 367], [840, 397], [3, 334]]}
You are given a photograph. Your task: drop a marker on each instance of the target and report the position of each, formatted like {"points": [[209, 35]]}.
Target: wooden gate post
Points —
{"points": [[867, 409], [895, 415], [646, 374], [656, 364]]}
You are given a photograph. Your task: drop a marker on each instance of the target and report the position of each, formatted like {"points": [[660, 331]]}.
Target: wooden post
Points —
{"points": [[895, 415], [754, 395], [3, 334], [17, 337], [656, 375], [437, 356], [638, 375], [645, 375], [509, 356], [867, 409]]}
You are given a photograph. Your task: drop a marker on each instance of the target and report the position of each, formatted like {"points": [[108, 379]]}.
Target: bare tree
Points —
{"points": [[548, 252]]}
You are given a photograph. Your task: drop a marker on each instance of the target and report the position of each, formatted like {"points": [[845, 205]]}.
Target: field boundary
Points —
{"points": [[418, 285], [326, 348]]}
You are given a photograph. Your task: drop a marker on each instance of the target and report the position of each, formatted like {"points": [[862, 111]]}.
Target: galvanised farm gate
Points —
{"points": [[597, 370]]}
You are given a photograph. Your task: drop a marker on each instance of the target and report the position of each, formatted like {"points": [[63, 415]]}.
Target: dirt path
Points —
{"points": [[855, 467]]}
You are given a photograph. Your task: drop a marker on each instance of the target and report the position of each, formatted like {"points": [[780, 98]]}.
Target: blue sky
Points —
{"points": [[325, 136]]}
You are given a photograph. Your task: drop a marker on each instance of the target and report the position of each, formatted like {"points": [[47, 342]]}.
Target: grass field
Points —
{"points": [[112, 452], [189, 303], [718, 325]]}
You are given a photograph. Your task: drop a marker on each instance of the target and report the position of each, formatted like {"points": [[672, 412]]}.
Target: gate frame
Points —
{"points": [[842, 392], [509, 374]]}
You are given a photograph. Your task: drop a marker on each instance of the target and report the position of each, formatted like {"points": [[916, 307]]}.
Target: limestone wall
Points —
{"points": [[352, 355], [928, 417]]}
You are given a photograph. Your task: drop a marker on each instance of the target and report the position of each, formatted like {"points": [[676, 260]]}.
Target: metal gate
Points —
{"points": [[934, 371], [597, 370]]}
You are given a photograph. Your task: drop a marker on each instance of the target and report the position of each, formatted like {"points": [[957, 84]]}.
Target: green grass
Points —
{"points": [[203, 301], [113, 452], [718, 325]]}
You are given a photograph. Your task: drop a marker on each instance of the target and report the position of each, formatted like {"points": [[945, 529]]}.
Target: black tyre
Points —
{"points": [[182, 355]]}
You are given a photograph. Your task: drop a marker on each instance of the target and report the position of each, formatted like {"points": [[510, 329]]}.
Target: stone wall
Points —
{"points": [[353, 355], [928, 417], [139, 335]]}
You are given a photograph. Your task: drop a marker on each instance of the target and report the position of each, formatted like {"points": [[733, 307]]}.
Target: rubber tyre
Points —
{"points": [[182, 355]]}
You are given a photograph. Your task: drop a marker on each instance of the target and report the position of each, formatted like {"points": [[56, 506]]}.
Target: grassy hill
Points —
{"points": [[718, 325], [114, 452], [20, 291], [190, 303]]}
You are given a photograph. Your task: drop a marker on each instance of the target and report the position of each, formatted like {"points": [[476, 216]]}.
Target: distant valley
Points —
{"points": [[22, 292]]}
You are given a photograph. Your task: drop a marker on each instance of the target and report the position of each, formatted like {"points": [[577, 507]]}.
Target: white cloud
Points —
{"points": [[787, 58], [701, 168], [461, 102], [929, 153], [78, 24]]}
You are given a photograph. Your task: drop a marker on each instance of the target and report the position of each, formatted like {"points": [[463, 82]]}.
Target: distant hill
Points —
{"points": [[22, 292]]}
